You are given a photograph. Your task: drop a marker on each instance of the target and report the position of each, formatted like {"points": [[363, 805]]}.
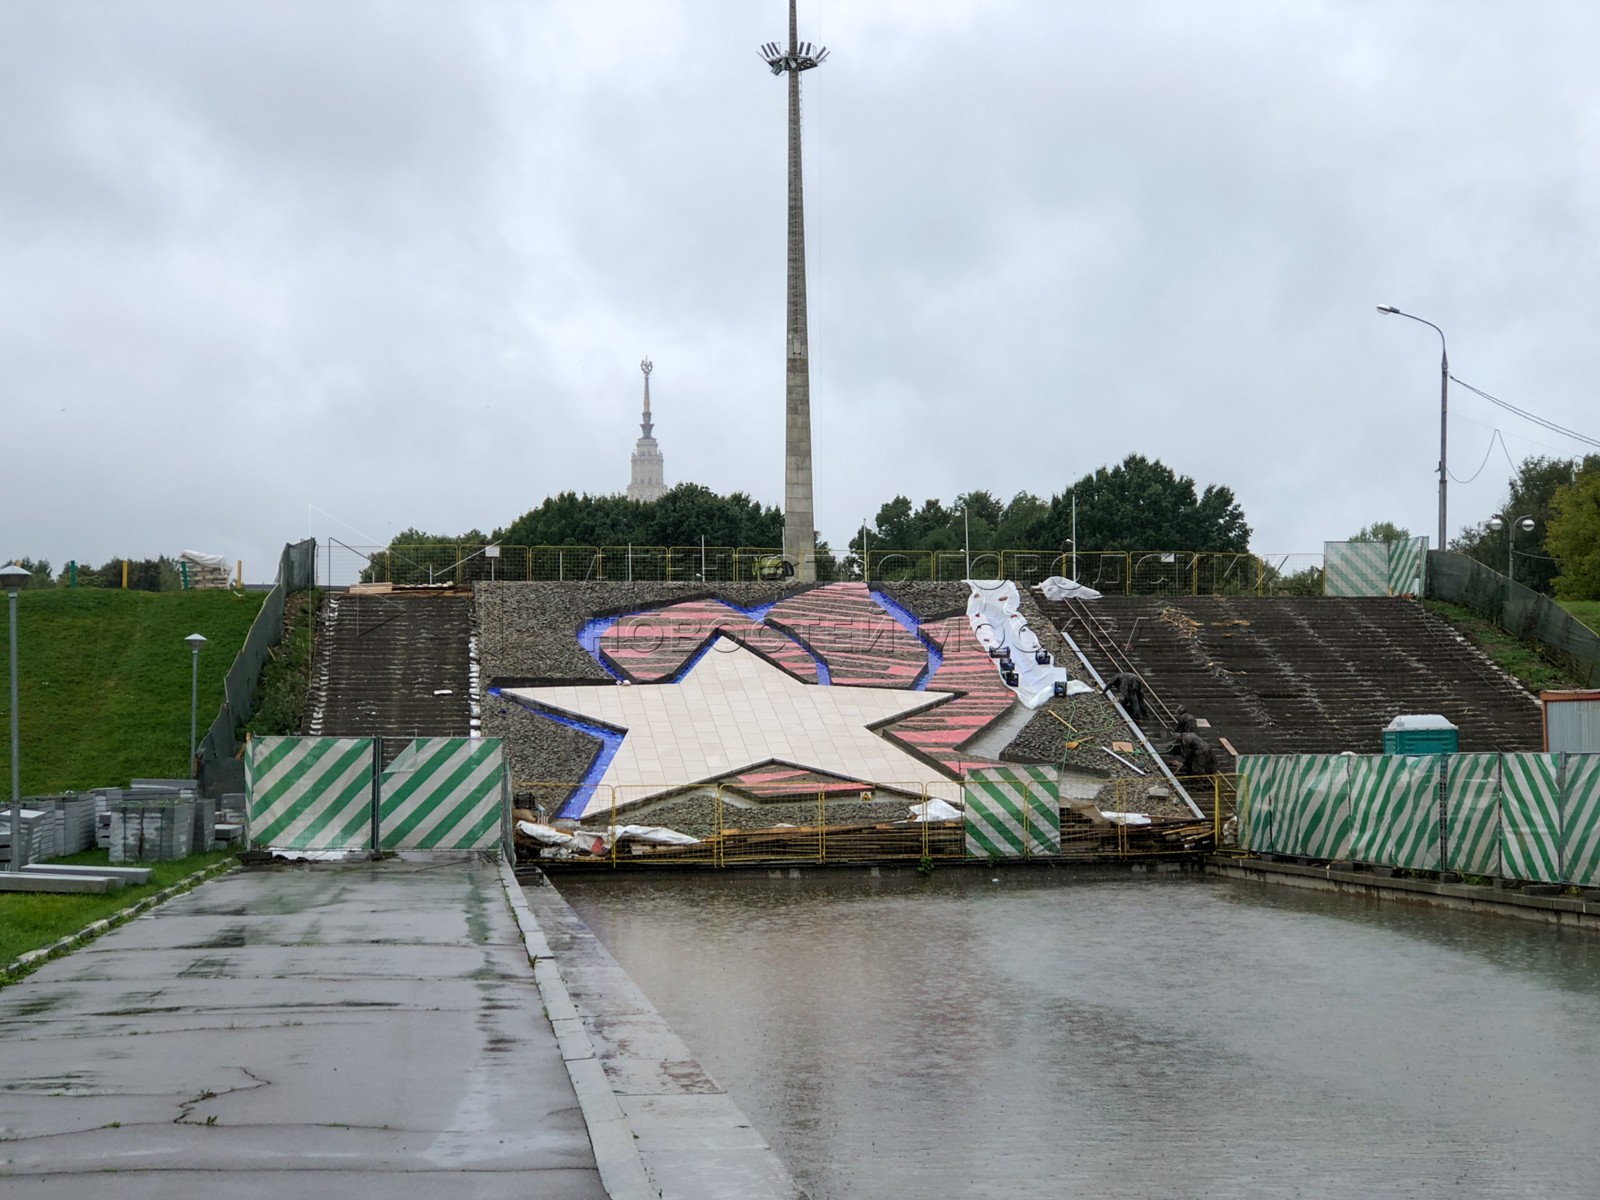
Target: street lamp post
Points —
{"points": [[194, 641], [12, 577], [1444, 408], [1501, 521]]}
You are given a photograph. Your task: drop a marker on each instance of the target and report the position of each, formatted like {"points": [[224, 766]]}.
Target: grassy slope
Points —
{"points": [[1517, 658], [1587, 611], [30, 921], [103, 677]]}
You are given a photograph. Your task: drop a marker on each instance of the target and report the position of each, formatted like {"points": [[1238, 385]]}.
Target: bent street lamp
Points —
{"points": [[1444, 407]]}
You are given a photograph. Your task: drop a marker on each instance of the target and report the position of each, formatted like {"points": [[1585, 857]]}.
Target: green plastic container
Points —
{"points": [[1421, 734]]}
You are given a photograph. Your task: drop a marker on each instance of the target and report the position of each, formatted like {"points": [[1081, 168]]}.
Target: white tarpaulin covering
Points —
{"points": [[996, 622], [205, 560], [1126, 818], [936, 810], [1058, 589]]}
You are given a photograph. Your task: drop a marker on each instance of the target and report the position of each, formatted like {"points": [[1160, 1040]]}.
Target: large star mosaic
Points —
{"points": [[733, 711]]}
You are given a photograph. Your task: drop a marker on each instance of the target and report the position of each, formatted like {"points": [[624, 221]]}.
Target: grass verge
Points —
{"points": [[103, 677], [1517, 658], [32, 921], [1587, 611]]}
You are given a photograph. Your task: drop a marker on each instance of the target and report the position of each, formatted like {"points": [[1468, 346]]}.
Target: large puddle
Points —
{"points": [[1035, 1036]]}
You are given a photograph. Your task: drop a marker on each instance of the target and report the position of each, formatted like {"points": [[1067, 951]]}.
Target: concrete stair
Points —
{"points": [[1302, 675], [395, 666]]}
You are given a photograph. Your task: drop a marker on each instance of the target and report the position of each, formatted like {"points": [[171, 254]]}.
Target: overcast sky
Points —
{"points": [[338, 268]]}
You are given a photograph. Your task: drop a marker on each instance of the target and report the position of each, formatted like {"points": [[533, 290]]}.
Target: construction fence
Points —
{"points": [[1517, 609], [1528, 817], [1123, 573], [1009, 813], [315, 794], [218, 750]]}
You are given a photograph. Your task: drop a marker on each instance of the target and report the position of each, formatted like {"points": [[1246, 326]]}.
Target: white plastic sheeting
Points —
{"points": [[997, 623], [205, 560], [936, 810], [598, 841], [1058, 589]]}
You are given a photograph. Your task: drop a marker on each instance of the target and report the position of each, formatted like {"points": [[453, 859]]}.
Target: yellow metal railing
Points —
{"points": [[1113, 572], [777, 823]]}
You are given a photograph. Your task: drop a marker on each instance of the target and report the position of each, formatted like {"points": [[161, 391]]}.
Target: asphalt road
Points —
{"points": [[360, 1031]]}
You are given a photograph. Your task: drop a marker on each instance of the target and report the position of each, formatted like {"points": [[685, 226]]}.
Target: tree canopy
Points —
{"points": [[1574, 534], [1139, 504], [1530, 492], [1382, 531]]}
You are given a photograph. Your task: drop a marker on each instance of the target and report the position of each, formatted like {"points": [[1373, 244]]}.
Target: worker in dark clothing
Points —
{"points": [[1183, 722], [1198, 758], [1130, 691]]}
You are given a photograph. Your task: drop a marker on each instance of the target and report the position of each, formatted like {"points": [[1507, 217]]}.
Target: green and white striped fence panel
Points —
{"points": [[1258, 774], [1356, 568], [1317, 824], [443, 794], [1395, 810], [1408, 561], [1580, 819], [1472, 808], [307, 793], [1013, 812], [1530, 817]]}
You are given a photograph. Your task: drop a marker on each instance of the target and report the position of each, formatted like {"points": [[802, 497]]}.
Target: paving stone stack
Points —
{"points": [[1306, 675], [151, 823], [38, 835]]}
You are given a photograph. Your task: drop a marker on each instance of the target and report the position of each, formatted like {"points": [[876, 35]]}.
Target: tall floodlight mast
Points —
{"points": [[799, 523]]}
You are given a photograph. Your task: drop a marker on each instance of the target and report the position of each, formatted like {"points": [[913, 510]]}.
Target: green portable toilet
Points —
{"points": [[1430, 734]]}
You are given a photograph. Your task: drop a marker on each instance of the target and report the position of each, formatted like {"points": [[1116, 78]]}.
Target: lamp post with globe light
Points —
{"points": [[1500, 521], [12, 577]]}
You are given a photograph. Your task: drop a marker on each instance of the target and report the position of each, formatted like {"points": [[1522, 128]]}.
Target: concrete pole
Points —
{"points": [[16, 774], [799, 522]]}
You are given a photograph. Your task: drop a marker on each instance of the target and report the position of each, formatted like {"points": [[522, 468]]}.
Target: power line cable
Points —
{"points": [[1528, 416], [1488, 450]]}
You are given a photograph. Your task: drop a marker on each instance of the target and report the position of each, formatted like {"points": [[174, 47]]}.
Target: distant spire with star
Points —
{"points": [[647, 482]]}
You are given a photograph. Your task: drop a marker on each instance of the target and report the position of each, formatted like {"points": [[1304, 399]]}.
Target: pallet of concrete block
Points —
{"points": [[203, 839], [72, 820], [150, 827], [38, 835], [230, 818]]}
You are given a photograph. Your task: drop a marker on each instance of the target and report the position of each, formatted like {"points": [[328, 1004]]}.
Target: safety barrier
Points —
{"points": [[1532, 817], [218, 747], [1376, 568], [328, 794], [1011, 812], [1119, 572]]}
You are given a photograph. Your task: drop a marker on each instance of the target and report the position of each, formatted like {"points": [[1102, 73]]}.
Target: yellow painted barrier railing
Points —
{"points": [[1112, 572], [782, 823]]}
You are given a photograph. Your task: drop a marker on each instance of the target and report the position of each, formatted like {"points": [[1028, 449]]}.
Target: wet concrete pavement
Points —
{"points": [[370, 1030]]}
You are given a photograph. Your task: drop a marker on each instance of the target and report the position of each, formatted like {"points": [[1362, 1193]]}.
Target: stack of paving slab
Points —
{"points": [[231, 818], [152, 821], [38, 835], [71, 822]]}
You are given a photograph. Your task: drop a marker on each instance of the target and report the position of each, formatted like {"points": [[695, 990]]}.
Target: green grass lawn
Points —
{"points": [[103, 682], [29, 921], [1587, 611]]}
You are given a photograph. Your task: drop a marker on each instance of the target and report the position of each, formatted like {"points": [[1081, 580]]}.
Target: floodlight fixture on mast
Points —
{"points": [[803, 57]]}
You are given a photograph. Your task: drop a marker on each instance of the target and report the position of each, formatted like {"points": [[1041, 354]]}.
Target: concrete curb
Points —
{"points": [[1553, 910], [616, 1149], [34, 959]]}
